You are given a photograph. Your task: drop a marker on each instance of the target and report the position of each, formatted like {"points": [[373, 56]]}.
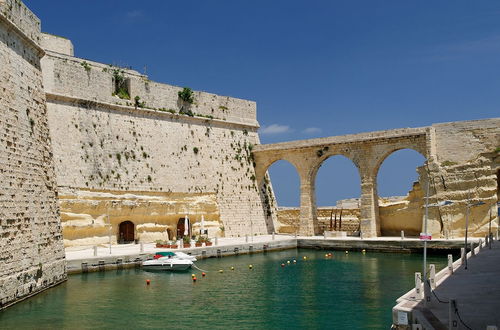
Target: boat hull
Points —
{"points": [[154, 265]]}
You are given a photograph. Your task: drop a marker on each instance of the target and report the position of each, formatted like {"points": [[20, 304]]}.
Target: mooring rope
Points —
{"points": [[199, 268]]}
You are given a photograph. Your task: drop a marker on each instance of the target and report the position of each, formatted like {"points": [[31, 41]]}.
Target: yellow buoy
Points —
{"points": [[232, 268], [250, 266], [294, 261], [346, 252], [193, 275], [305, 257], [288, 261], [221, 271], [364, 251]]}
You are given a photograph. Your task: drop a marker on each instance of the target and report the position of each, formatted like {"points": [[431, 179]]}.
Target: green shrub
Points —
{"points": [[186, 95]]}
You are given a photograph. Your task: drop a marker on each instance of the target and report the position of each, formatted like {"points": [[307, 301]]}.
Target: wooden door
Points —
{"points": [[126, 231]]}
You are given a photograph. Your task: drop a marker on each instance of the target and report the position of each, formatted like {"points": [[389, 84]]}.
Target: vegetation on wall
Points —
{"points": [[186, 95], [121, 89], [86, 66]]}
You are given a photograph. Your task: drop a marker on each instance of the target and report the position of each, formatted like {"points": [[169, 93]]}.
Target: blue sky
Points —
{"points": [[315, 68]]}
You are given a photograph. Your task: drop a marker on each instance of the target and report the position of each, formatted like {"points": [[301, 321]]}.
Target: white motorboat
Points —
{"points": [[169, 261]]}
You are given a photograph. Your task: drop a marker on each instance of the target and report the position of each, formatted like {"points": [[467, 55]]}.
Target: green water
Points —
{"points": [[353, 291]]}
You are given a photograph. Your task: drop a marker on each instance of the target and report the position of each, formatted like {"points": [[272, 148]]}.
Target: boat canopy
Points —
{"points": [[166, 254]]}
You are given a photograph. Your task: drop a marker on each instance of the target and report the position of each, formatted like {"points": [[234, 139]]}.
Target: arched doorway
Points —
{"points": [[126, 232], [181, 228]]}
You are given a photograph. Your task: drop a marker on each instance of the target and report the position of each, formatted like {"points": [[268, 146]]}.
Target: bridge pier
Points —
{"points": [[370, 219], [308, 220]]}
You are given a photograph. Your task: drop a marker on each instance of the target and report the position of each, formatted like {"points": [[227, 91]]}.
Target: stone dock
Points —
{"points": [[103, 257], [458, 297]]}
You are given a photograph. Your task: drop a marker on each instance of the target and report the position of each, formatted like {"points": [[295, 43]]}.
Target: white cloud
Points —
{"points": [[312, 130], [274, 129]]}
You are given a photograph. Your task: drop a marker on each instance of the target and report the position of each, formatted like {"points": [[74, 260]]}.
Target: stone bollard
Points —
{"points": [[480, 245], [446, 235], [450, 263], [432, 276], [462, 255], [402, 234], [216, 241], [142, 247], [324, 235], [496, 235], [472, 251], [452, 315], [295, 234], [273, 235], [418, 285], [95, 250], [246, 238]]}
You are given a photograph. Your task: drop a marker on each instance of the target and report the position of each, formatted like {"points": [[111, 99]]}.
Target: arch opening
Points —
{"points": [[126, 232], [401, 194], [284, 185], [338, 190]]}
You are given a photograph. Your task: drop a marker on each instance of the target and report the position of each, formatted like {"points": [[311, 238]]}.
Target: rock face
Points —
{"points": [[155, 215], [31, 246], [115, 132]]}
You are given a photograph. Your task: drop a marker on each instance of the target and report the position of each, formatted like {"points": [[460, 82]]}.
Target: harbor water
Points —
{"points": [[345, 291]]}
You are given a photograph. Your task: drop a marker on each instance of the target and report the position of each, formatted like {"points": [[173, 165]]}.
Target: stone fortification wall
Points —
{"points": [[57, 44], [31, 248], [93, 81], [105, 144]]}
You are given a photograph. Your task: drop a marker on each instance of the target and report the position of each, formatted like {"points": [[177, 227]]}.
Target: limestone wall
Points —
{"points": [[459, 142], [31, 249], [105, 144], [57, 44]]}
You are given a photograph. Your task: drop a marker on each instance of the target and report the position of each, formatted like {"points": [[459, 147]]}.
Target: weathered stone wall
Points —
{"points": [[31, 247], [116, 146], [57, 44]]}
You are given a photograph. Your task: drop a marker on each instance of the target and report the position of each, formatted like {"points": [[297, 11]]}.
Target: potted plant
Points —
{"points": [[208, 242], [199, 241], [173, 245], [161, 244], [186, 240]]}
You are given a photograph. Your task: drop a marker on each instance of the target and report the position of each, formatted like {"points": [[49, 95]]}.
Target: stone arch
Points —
{"points": [[263, 165], [315, 167], [384, 155]]}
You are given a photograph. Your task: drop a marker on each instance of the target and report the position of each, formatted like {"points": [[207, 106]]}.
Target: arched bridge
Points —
{"points": [[366, 150]]}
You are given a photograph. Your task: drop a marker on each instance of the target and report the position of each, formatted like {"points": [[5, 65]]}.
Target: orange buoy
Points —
{"points": [[282, 265], [148, 282], [194, 279], [203, 274]]}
